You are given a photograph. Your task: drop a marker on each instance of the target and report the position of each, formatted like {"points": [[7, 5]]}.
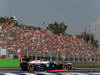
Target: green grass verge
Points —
{"points": [[9, 63], [87, 66], [87, 69]]}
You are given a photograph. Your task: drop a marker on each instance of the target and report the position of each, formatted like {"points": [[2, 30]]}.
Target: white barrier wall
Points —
{"points": [[3, 51]]}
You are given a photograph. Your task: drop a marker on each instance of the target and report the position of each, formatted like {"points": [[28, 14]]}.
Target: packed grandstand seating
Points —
{"points": [[22, 40]]}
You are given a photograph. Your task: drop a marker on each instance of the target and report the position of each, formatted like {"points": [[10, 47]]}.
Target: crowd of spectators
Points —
{"points": [[23, 41]]}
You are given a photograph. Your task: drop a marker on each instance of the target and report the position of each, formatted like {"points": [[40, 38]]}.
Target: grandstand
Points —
{"points": [[37, 43]]}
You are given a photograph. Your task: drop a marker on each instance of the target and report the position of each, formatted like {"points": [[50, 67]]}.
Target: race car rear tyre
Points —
{"points": [[31, 67]]}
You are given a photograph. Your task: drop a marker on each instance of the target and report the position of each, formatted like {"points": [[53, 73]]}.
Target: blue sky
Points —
{"points": [[78, 14]]}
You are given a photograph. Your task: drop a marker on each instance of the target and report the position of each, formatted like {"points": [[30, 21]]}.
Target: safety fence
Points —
{"points": [[69, 58]]}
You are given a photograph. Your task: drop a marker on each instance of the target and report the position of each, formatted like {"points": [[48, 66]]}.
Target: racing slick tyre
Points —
{"points": [[31, 67], [24, 66]]}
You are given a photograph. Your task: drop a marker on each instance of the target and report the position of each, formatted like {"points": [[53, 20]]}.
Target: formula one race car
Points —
{"points": [[41, 65]]}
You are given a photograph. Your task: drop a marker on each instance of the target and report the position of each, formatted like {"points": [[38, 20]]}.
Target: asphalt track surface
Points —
{"points": [[10, 70], [76, 72]]}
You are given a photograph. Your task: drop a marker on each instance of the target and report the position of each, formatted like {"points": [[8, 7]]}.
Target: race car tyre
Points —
{"points": [[31, 67]]}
